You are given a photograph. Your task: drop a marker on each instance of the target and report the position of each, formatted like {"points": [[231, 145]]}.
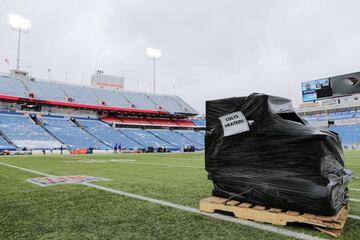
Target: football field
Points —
{"points": [[143, 196]]}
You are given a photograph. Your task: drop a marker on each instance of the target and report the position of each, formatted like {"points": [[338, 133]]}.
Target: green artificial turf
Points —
{"points": [[29, 211]]}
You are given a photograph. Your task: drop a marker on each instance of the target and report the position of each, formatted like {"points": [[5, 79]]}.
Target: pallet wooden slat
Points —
{"points": [[261, 208], [275, 210], [245, 205], [332, 225], [232, 203]]}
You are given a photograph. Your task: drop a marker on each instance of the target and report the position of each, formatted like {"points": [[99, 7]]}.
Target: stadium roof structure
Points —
{"points": [[85, 97]]}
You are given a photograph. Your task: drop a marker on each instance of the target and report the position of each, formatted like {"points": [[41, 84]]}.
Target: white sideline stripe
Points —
{"points": [[354, 200], [164, 164], [260, 226], [354, 189], [161, 164], [213, 215], [100, 161], [27, 170], [154, 164], [134, 162], [354, 217]]}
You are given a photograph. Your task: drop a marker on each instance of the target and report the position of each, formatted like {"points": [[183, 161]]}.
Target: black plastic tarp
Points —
{"points": [[259, 150]]}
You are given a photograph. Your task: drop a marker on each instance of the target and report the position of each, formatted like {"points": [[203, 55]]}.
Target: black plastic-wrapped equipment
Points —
{"points": [[259, 150]]}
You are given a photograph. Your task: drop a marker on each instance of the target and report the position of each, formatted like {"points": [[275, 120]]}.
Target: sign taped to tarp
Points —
{"points": [[234, 123]]}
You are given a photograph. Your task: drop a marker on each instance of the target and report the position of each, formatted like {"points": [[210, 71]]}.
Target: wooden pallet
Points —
{"points": [[332, 225]]}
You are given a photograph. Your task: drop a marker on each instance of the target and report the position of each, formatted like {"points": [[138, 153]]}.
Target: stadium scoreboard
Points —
{"points": [[316, 89], [337, 86]]}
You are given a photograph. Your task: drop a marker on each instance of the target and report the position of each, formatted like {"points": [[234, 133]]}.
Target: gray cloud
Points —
{"points": [[211, 49]]}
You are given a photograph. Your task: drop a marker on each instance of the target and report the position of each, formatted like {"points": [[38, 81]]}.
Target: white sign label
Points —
{"points": [[234, 123]]}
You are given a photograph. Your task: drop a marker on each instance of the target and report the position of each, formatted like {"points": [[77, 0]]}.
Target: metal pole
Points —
{"points": [[154, 75], [18, 53]]}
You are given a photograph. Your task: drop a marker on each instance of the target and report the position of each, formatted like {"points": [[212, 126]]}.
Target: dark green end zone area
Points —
{"points": [[28, 211]]}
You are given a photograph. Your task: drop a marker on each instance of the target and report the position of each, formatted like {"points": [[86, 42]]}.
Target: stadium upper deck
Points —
{"points": [[37, 114], [61, 94], [339, 114]]}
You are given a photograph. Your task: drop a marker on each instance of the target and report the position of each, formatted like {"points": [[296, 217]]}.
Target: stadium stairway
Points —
{"points": [[22, 132], [41, 124], [108, 134], [72, 135], [74, 120], [146, 138], [174, 138], [197, 137], [6, 143]]}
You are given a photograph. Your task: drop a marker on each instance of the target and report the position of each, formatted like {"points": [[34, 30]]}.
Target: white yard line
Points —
{"points": [[166, 165], [354, 189], [182, 159], [354, 217], [89, 160], [260, 226], [213, 215], [158, 164], [130, 162], [100, 161], [27, 170], [354, 200]]}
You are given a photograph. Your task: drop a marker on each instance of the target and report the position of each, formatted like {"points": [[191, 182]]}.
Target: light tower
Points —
{"points": [[21, 25], [153, 54]]}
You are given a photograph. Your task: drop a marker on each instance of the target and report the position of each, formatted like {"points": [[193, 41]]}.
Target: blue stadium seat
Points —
{"points": [[81, 94], [109, 135], [311, 118], [347, 115], [330, 116], [146, 138], [4, 145], [46, 90], [198, 137], [139, 100], [184, 104], [71, 135], [56, 91], [176, 138], [111, 98], [167, 103], [12, 87], [349, 134], [24, 133], [199, 122]]}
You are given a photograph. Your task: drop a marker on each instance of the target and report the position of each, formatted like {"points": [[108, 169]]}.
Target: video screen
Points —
{"points": [[316, 89]]}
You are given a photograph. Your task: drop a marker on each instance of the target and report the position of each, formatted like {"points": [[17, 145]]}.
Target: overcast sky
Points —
{"points": [[210, 49]]}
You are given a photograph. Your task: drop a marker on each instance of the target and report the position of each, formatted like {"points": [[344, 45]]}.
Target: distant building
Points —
{"points": [[19, 74], [109, 82]]}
